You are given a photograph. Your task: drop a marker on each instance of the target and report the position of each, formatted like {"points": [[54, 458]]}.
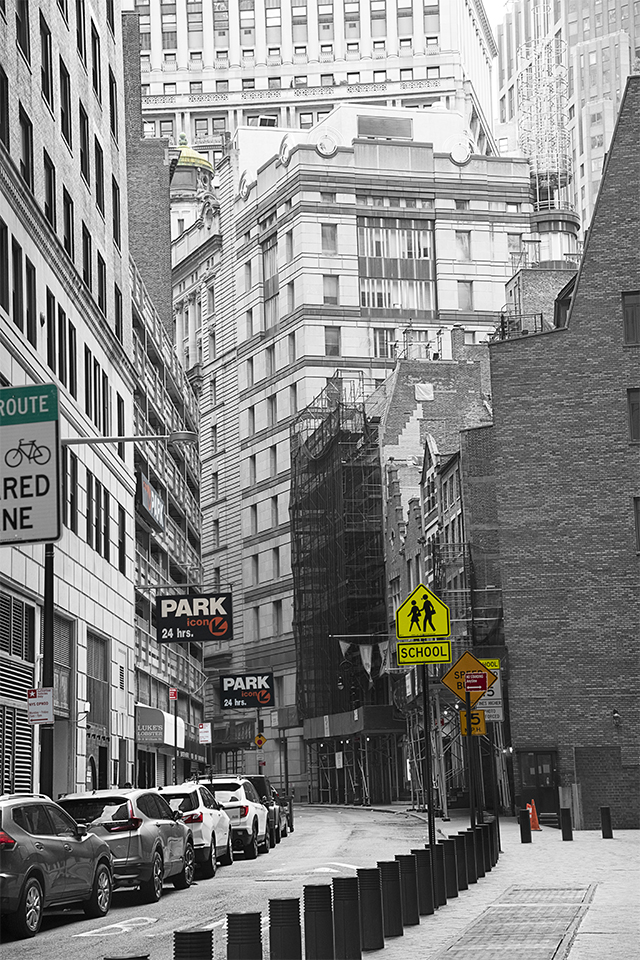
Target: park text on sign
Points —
{"points": [[437, 652], [454, 679], [203, 617], [422, 616], [246, 690], [478, 724], [40, 705], [29, 464]]}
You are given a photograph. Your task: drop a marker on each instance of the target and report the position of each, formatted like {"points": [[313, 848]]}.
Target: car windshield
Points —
{"points": [[96, 809], [182, 801], [225, 792]]}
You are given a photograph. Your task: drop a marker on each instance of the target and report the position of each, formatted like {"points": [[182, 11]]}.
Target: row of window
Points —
{"points": [[105, 520]]}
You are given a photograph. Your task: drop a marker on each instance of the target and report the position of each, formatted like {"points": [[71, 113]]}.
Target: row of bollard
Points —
{"points": [[566, 826], [356, 914]]}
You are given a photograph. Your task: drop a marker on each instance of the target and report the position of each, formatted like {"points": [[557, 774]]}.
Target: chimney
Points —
{"points": [[457, 341]]}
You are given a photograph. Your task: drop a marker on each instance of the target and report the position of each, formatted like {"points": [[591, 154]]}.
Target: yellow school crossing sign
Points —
{"points": [[422, 616]]}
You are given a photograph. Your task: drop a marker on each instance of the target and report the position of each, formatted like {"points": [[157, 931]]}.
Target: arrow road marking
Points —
{"points": [[114, 929]]}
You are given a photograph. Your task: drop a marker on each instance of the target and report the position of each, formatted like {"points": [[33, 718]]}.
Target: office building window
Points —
{"points": [[631, 315], [83, 126], [636, 513], [465, 295], [272, 410], [4, 108], [98, 165], [26, 148], [62, 345], [96, 68], [463, 245], [332, 345], [51, 330], [275, 516], [111, 16], [115, 212], [277, 618], [30, 293], [81, 41], [329, 237], [273, 461], [113, 104], [46, 62], [117, 303], [633, 409], [120, 423], [65, 104], [253, 519], [330, 289], [293, 398], [68, 238], [50, 211], [87, 269], [18, 291], [22, 27], [384, 342], [101, 269], [4, 266], [73, 360], [72, 491], [89, 516], [122, 540], [251, 420], [275, 563]]}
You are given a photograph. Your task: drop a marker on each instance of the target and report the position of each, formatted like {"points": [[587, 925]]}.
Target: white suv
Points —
{"points": [[208, 822], [249, 816]]}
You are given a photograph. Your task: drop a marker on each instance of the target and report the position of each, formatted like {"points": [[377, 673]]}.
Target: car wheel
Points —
{"points": [[284, 829], [28, 917], [185, 877], [152, 889], [265, 846], [99, 902], [210, 864], [227, 858], [278, 833], [251, 849]]}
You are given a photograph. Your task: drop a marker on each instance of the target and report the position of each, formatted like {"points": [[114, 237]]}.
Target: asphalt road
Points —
{"points": [[325, 843]]}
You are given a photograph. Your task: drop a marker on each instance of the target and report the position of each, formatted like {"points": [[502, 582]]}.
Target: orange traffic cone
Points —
{"points": [[533, 816]]}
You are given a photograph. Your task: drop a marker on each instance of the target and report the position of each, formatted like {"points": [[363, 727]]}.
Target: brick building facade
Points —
{"points": [[567, 429]]}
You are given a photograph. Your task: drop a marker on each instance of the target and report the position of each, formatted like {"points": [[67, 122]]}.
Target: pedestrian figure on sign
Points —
{"points": [[415, 616], [428, 609]]}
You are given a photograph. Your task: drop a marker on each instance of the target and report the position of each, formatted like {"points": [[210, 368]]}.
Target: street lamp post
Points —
{"points": [[46, 732]]}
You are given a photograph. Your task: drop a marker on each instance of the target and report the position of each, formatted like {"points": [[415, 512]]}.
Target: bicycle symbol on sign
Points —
{"points": [[27, 450]]}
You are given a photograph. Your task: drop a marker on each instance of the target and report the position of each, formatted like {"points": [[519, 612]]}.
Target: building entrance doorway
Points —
{"points": [[538, 776]]}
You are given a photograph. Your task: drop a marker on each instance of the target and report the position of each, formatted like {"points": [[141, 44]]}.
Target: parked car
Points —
{"points": [[208, 821], [269, 798], [148, 841], [48, 860], [248, 815]]}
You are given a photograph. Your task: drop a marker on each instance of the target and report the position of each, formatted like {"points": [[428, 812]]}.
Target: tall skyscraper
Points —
{"points": [[592, 46]]}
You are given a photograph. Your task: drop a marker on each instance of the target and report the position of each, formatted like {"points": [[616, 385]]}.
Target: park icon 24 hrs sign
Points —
{"points": [[246, 690], [29, 464], [195, 617]]}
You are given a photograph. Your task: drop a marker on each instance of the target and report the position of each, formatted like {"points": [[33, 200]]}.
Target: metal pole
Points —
{"points": [[46, 731], [470, 772], [175, 739], [494, 788], [428, 775]]}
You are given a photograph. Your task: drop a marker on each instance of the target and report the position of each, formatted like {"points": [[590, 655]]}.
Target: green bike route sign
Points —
{"points": [[29, 464]]}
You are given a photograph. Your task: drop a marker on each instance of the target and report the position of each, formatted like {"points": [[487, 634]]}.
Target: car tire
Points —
{"points": [[284, 829], [99, 903], [151, 889], [278, 833], [28, 917], [251, 849], [265, 846], [185, 877], [227, 857], [210, 864], [273, 837]]}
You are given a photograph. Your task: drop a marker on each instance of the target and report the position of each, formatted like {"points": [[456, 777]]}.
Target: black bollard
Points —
{"points": [[346, 918], [409, 886], [461, 860], [605, 820], [484, 830], [244, 936], [424, 867], [440, 890], [470, 847], [495, 846], [479, 848], [565, 823], [525, 825], [450, 868], [318, 922], [195, 944], [285, 936], [371, 922], [391, 898]]}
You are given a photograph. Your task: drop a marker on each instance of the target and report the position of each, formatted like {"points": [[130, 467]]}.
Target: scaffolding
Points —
{"points": [[337, 549], [543, 111]]}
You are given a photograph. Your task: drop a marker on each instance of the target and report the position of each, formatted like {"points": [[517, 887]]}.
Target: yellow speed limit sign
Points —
{"points": [[478, 725], [436, 651]]}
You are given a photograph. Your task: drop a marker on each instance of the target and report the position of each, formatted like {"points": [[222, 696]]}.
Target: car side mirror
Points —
{"points": [[177, 815], [81, 830]]}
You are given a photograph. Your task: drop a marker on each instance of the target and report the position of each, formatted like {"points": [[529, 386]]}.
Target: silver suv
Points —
{"points": [[148, 841], [48, 860]]}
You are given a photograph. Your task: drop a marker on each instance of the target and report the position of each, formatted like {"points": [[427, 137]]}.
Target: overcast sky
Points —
{"points": [[495, 11]]}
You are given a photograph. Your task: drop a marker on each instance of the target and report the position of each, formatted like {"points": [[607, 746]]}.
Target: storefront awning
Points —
{"points": [[154, 727]]}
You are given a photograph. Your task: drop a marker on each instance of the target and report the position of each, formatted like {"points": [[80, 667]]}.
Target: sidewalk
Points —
{"points": [[547, 900]]}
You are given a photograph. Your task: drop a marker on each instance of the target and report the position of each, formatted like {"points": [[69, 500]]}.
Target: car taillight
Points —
{"points": [[6, 842], [119, 826], [192, 818], [244, 810]]}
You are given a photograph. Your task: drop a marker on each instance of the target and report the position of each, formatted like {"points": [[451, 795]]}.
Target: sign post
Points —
{"points": [[423, 616], [173, 695]]}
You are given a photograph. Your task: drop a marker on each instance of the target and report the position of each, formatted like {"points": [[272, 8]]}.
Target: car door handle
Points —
{"points": [[39, 846], [67, 846]]}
